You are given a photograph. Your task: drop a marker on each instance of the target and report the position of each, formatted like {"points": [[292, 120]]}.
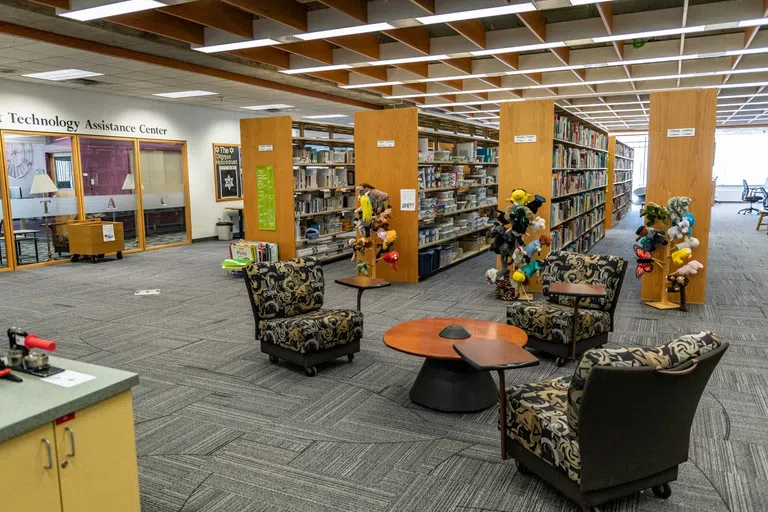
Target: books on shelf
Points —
{"points": [[572, 130], [569, 231], [624, 151], [565, 183], [574, 206], [622, 189], [322, 177], [568, 157], [622, 176], [307, 203]]}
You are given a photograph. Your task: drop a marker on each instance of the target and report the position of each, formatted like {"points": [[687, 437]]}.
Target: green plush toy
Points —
{"points": [[652, 213]]}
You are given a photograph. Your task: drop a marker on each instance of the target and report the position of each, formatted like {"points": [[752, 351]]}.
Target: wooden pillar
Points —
{"points": [[527, 165], [391, 168], [682, 166], [609, 182], [268, 141]]}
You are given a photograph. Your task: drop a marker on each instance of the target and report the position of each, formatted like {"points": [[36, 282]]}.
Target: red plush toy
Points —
{"points": [[391, 258]]}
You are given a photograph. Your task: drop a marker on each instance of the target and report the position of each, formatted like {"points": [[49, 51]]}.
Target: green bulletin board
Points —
{"points": [[265, 181]]}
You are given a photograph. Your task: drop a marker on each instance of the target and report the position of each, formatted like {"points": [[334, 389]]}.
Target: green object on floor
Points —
{"points": [[234, 264]]}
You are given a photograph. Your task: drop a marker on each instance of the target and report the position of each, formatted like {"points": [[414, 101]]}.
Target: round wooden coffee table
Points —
{"points": [[446, 382]]}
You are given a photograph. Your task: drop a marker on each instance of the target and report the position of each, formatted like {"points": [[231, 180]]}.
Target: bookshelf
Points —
{"points": [[621, 162], [562, 158], [453, 168], [314, 170]]}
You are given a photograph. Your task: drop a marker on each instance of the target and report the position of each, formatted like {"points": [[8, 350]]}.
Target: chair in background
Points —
{"points": [[286, 298], [751, 196], [555, 325], [620, 424], [763, 213]]}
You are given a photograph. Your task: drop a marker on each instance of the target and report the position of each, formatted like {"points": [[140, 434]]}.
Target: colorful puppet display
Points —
{"points": [[373, 237], [518, 259], [677, 242]]}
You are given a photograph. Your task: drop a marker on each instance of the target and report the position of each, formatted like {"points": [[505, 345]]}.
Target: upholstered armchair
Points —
{"points": [[287, 300], [555, 325], [619, 425]]}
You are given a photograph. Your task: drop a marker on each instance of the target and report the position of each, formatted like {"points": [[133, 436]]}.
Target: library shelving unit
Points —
{"points": [[562, 158], [451, 167], [314, 185], [621, 161]]}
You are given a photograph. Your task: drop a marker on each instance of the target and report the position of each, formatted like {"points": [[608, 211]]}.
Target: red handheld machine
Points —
{"points": [[22, 357]]}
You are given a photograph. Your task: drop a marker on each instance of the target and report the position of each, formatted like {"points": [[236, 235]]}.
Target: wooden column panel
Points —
{"points": [[527, 165], [275, 132], [682, 166], [609, 182], [391, 169]]}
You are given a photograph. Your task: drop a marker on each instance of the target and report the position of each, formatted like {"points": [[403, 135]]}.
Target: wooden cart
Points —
{"points": [[91, 238]]}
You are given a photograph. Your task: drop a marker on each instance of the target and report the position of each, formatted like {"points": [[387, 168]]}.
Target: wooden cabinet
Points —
{"points": [[92, 463], [28, 467]]}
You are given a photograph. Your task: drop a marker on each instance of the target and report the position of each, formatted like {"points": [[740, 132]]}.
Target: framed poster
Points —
{"points": [[228, 172], [266, 206]]}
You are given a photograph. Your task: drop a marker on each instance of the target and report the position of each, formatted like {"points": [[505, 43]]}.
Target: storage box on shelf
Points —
{"points": [[619, 190]]}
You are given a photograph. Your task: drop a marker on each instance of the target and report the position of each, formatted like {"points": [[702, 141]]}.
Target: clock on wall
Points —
{"points": [[19, 156]]}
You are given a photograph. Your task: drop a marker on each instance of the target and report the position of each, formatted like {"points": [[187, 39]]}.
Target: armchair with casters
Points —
{"points": [[561, 326], [287, 300], [619, 425], [750, 195]]}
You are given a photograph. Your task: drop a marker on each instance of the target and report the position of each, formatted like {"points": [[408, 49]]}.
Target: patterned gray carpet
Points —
{"points": [[221, 429]]}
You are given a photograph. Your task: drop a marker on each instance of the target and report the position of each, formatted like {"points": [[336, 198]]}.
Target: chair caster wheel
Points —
{"points": [[560, 361], [119, 255], [663, 491], [350, 357], [311, 371], [274, 359], [522, 469], [75, 258]]}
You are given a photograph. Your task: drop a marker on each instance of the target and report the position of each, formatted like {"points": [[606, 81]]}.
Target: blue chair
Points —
{"points": [[751, 196]]}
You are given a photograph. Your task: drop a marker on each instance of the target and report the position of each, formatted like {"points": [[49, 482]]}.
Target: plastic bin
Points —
{"points": [[224, 230]]}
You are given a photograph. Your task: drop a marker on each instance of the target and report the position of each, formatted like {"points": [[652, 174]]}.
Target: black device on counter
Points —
{"points": [[22, 357]]}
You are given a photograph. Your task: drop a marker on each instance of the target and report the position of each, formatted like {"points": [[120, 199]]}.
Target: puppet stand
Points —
{"points": [[664, 303]]}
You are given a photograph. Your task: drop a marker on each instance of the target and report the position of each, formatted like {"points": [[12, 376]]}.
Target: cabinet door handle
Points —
{"points": [[48, 450], [71, 441]]}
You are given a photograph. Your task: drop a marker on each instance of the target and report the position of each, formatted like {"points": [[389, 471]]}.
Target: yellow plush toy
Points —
{"points": [[518, 276], [518, 196], [680, 256], [389, 239], [367, 208]]}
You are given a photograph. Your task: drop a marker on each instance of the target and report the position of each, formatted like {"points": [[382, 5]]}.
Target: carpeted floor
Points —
{"points": [[219, 428]]}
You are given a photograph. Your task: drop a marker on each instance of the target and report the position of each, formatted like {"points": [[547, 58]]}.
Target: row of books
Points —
{"points": [[620, 213], [624, 151], [586, 242], [565, 234], [564, 183], [575, 206], [244, 250], [620, 202], [322, 177], [572, 130], [619, 175], [577, 158], [622, 189], [307, 203]]}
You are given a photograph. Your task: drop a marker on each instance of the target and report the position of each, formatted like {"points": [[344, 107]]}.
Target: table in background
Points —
{"points": [[18, 239], [362, 283]]}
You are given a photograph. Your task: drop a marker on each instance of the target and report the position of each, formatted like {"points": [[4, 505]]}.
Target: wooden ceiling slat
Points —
{"points": [[287, 12], [319, 50], [265, 55], [492, 80], [358, 9], [215, 14], [427, 5], [61, 4], [377, 72], [463, 64], [536, 22], [510, 59], [340, 76], [366, 45], [417, 68], [472, 30], [162, 24], [417, 38]]}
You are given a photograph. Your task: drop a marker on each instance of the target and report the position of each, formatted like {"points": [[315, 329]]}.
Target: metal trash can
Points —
{"points": [[224, 230]]}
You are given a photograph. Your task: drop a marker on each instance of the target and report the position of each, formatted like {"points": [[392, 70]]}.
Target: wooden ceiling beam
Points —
{"points": [[606, 14], [472, 30], [377, 72], [536, 23], [59, 4], [463, 64], [417, 38], [417, 68], [482, 95], [265, 55], [563, 54], [427, 5], [492, 80], [357, 9], [340, 76], [162, 24], [453, 84], [510, 59], [367, 45], [418, 87], [287, 12], [216, 14], [384, 90], [319, 50]]}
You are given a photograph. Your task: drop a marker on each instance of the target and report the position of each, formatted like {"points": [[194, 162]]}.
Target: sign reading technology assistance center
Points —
{"points": [[55, 123]]}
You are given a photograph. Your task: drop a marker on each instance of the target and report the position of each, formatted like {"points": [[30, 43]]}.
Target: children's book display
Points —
{"points": [[373, 239], [677, 243], [243, 252], [518, 259]]}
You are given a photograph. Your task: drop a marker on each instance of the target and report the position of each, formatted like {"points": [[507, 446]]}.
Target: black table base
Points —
{"points": [[453, 386]]}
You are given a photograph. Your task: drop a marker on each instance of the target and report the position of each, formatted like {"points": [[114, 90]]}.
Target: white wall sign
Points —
{"points": [[385, 143], [522, 139], [266, 147], [407, 199], [681, 132]]}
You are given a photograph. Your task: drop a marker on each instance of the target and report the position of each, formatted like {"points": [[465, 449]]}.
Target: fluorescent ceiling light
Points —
{"points": [[105, 11], [484, 117], [746, 51], [256, 43], [185, 94], [314, 69], [524, 48], [326, 116], [347, 31], [63, 74], [476, 13], [458, 77], [375, 84], [425, 58], [650, 33], [753, 23], [268, 107], [545, 70]]}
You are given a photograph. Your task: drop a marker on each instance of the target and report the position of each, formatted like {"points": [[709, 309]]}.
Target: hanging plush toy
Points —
{"points": [[518, 276], [362, 268], [677, 207], [391, 258], [536, 203], [490, 275], [680, 256], [649, 238], [538, 224], [530, 269], [389, 239], [689, 243], [652, 213], [367, 208], [690, 268], [531, 248], [518, 196]]}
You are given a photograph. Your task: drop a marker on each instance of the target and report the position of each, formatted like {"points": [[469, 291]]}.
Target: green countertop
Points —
{"points": [[29, 404]]}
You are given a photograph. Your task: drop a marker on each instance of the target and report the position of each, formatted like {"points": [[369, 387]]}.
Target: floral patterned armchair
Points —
{"points": [[555, 325], [619, 425], [287, 300]]}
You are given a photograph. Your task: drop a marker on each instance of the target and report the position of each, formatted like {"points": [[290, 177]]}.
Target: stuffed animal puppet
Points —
{"points": [[652, 213], [518, 276], [367, 208], [690, 268], [519, 196], [536, 203], [531, 248], [389, 239], [391, 258], [545, 240], [490, 275], [530, 269], [518, 256], [677, 207], [689, 242], [680, 256], [362, 268], [538, 224], [644, 261]]}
